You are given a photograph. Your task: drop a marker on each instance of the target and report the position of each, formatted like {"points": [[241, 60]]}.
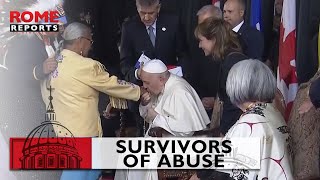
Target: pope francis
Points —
{"points": [[171, 104]]}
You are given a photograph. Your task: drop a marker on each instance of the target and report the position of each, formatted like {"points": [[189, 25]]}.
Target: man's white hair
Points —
{"points": [[212, 10]]}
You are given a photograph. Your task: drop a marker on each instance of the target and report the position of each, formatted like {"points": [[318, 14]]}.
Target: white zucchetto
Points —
{"points": [[154, 66]]}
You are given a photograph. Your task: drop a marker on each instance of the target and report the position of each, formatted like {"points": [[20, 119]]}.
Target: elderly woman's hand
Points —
{"points": [[109, 113]]}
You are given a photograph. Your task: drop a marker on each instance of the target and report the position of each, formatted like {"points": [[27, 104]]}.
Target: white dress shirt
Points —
{"points": [[237, 28]]}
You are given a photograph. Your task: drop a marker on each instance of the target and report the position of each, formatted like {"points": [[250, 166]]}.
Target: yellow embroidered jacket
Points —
{"points": [[76, 85]]}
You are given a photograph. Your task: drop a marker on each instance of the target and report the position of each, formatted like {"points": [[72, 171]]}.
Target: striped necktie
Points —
{"points": [[152, 35]]}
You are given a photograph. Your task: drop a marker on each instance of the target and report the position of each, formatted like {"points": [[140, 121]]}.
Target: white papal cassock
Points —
{"points": [[180, 112]]}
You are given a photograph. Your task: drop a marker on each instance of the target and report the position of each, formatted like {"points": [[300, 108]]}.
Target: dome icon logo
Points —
{"points": [[50, 146]]}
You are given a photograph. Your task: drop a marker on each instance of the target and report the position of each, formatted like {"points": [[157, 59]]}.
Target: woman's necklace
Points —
{"points": [[250, 106]]}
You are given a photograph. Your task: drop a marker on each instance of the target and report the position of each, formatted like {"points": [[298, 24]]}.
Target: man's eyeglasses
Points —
{"points": [[91, 41]]}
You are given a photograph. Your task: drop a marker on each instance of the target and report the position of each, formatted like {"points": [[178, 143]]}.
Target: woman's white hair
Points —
{"points": [[74, 31], [250, 81]]}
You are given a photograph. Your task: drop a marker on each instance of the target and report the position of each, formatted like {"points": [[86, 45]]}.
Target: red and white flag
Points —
{"points": [[287, 81], [216, 3]]}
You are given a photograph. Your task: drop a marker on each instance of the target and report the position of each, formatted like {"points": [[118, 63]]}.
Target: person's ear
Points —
{"points": [[241, 13], [79, 41], [159, 7], [161, 78]]}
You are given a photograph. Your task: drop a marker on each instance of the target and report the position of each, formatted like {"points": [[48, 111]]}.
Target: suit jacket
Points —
{"points": [[252, 41], [169, 45], [76, 88]]}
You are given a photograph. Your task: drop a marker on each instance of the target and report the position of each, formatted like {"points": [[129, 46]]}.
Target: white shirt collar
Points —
{"points": [[237, 28]]}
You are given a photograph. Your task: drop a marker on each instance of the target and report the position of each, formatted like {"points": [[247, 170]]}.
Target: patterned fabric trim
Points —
{"points": [[256, 109]]}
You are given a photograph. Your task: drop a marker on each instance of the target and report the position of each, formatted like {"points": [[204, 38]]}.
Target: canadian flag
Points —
{"points": [[216, 3], [287, 81]]}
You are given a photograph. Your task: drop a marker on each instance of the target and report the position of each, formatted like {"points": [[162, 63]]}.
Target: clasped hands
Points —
{"points": [[145, 99]]}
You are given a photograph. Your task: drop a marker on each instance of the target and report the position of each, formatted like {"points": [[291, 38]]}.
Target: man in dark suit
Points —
{"points": [[154, 34], [253, 42]]}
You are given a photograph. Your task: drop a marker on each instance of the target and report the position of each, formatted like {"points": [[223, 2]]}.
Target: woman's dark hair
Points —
{"points": [[221, 32]]}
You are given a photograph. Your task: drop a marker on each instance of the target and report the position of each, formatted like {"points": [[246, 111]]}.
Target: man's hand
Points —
{"points": [[194, 177], [208, 102], [142, 91], [49, 65], [305, 107], [150, 115], [145, 99], [156, 132]]}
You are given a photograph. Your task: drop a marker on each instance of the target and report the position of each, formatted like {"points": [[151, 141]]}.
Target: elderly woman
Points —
{"points": [[76, 84], [217, 39], [251, 86]]}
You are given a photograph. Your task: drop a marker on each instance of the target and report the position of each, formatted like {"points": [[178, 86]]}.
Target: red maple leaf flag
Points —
{"points": [[287, 81], [216, 3]]}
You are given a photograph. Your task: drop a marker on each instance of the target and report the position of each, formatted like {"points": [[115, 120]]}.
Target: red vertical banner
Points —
{"points": [[287, 80], [50, 153]]}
